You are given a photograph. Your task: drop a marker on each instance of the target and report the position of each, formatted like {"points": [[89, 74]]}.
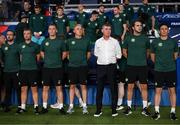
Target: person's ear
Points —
{"points": [[102, 30]]}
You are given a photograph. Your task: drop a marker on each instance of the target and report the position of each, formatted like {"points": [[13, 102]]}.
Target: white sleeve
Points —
{"points": [[118, 50], [95, 49]]}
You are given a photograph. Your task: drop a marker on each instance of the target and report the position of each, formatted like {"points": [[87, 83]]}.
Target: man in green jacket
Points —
{"points": [[38, 24], [11, 60]]}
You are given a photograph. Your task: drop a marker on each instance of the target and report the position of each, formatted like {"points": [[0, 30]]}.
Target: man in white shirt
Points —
{"points": [[107, 50]]}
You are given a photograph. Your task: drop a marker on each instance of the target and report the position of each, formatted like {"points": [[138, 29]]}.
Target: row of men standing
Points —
{"points": [[135, 48], [25, 77], [122, 15]]}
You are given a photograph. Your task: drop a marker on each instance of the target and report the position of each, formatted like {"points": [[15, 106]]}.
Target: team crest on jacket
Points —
{"points": [[47, 43], [6, 48], [59, 81], [133, 40], [23, 46], [151, 41], [126, 79], [155, 83], [73, 42], [160, 44]]}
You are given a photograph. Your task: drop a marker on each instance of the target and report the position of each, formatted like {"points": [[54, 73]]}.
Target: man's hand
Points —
{"points": [[122, 37], [37, 35]]}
